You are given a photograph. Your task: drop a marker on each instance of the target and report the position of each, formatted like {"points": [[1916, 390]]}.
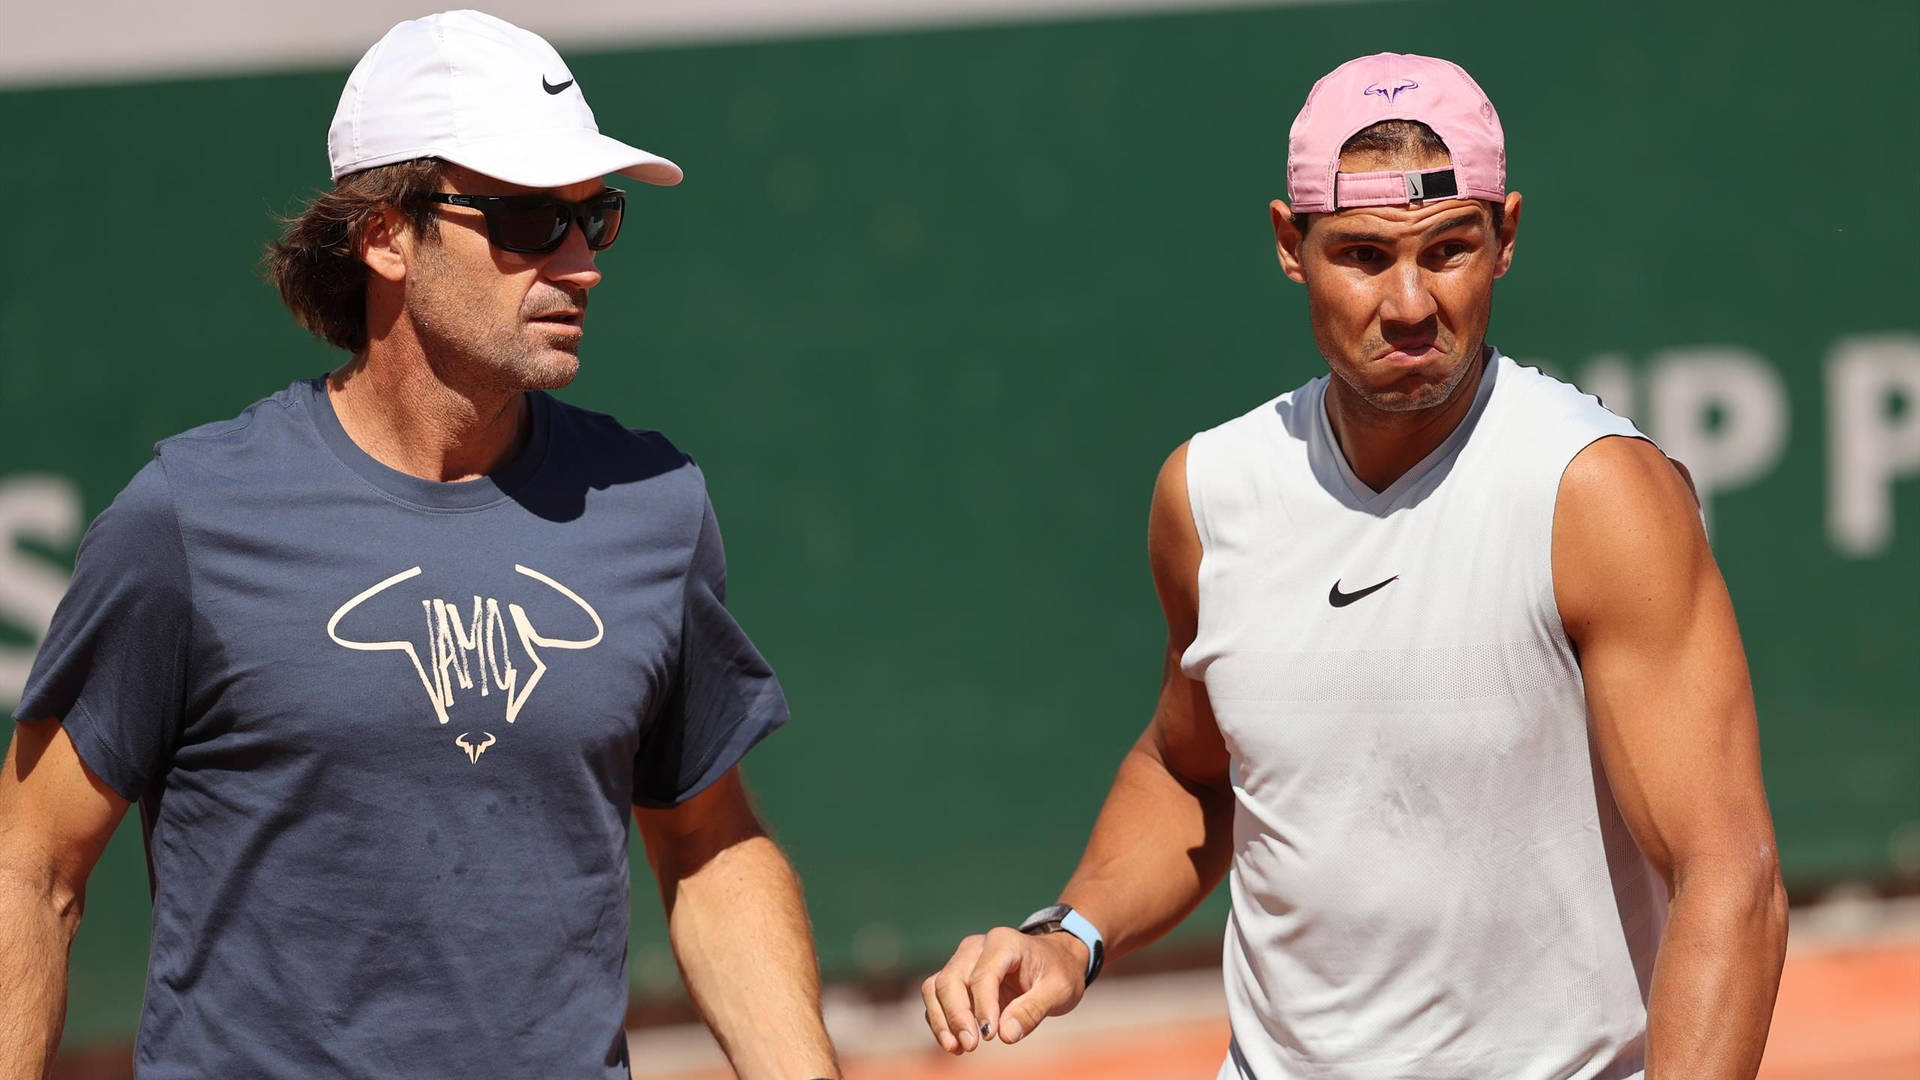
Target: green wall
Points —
{"points": [[932, 307]]}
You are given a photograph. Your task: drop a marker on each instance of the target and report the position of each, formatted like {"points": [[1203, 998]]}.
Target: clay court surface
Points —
{"points": [[1849, 1009], [1846, 1012]]}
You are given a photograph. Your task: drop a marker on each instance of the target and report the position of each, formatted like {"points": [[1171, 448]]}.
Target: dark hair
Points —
{"points": [[315, 263], [1400, 139]]}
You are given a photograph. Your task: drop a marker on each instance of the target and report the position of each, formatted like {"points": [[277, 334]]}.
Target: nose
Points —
{"points": [[572, 262], [1408, 298]]}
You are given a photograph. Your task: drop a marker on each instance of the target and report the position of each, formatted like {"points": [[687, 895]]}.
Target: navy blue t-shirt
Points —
{"points": [[386, 733]]}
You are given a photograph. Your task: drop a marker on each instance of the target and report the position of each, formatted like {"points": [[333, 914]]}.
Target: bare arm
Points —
{"points": [[1164, 835], [55, 819], [739, 929], [1673, 717], [1160, 845]]}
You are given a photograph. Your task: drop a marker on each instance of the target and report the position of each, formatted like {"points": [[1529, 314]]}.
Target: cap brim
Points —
{"points": [[560, 158]]}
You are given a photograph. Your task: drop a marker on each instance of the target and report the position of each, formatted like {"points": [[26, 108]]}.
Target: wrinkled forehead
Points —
{"points": [[1392, 224]]}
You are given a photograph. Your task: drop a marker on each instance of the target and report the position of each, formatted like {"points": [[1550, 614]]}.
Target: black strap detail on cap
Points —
{"points": [[1438, 184]]}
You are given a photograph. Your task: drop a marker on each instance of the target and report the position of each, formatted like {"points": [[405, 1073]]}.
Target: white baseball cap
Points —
{"points": [[478, 91]]}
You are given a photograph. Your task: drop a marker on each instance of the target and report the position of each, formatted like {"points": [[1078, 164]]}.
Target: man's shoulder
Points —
{"points": [[1528, 390], [604, 432], [634, 462], [1623, 513], [144, 505], [1262, 430], [266, 420], [1285, 412], [1538, 421]]}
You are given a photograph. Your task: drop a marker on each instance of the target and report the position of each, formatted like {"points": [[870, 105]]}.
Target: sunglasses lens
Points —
{"points": [[602, 221], [528, 228]]}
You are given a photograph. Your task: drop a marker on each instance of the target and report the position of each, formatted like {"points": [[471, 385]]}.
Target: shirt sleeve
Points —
{"points": [[724, 696], [113, 666]]}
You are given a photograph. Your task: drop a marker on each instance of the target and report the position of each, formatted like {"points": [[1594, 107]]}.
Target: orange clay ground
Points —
{"points": [[1846, 1012], [1849, 1009]]}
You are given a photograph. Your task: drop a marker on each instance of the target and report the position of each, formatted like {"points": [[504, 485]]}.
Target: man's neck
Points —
{"points": [[1381, 447], [406, 418]]}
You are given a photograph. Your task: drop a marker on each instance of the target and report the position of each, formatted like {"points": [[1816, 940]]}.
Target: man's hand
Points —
{"points": [[1003, 983], [1161, 844]]}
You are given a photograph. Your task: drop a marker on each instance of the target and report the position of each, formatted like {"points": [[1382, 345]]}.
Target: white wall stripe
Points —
{"points": [[130, 40]]}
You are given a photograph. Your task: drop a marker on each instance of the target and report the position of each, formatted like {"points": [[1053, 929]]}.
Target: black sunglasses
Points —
{"points": [[537, 224]]}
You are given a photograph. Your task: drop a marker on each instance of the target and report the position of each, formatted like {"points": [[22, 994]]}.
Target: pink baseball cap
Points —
{"points": [[1395, 86]]}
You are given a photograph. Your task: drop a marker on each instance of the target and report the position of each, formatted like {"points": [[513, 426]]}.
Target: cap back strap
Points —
{"points": [[1394, 188]]}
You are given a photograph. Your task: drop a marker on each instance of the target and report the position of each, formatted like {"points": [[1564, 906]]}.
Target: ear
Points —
{"points": [[1287, 240], [1509, 232], [386, 244]]}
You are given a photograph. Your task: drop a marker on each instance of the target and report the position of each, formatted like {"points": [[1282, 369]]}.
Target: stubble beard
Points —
{"points": [[1426, 396], [497, 357]]}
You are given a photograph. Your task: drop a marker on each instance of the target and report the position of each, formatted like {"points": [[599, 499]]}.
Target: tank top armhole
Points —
{"points": [[1196, 490], [1540, 424], [1193, 662], [1578, 445]]}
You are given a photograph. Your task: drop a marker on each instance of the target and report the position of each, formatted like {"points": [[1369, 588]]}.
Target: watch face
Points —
{"points": [[1047, 918]]}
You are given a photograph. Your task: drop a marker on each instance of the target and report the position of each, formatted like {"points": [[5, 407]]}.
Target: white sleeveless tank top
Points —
{"points": [[1430, 878]]}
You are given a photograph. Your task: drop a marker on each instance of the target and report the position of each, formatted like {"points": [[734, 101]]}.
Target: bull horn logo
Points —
{"points": [[472, 654], [474, 750], [1391, 92]]}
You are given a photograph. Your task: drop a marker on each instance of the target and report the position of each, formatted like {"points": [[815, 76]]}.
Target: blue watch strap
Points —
{"points": [[1056, 917], [1076, 924]]}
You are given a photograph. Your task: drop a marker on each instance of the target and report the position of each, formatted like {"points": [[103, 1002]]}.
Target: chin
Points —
{"points": [[1399, 397], [1403, 401], [550, 372]]}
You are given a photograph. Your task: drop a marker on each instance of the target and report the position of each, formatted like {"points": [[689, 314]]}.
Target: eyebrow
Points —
{"points": [[1469, 217]]}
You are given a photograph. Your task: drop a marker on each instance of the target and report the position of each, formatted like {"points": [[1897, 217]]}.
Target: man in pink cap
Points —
{"points": [[390, 661], [1453, 693]]}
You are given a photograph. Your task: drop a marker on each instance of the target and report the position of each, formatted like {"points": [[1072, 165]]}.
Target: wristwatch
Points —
{"points": [[1062, 917]]}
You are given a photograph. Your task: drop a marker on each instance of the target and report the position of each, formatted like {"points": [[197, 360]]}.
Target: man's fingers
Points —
{"points": [[1025, 1012], [950, 997], [951, 994], [964, 999], [937, 1017], [1001, 959], [1051, 986]]}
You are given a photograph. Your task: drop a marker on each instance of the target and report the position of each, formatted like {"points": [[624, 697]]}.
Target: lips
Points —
{"points": [[1410, 353]]}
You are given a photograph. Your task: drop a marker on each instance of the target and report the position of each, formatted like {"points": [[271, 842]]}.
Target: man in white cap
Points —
{"points": [[1452, 685], [388, 660]]}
